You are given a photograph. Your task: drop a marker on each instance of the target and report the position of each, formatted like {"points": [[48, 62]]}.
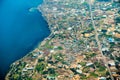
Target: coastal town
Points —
{"points": [[84, 43]]}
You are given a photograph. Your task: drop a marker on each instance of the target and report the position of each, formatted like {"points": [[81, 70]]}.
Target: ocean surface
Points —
{"points": [[21, 29]]}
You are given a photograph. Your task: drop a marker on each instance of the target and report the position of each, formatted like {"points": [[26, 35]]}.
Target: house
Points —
{"points": [[52, 51], [117, 35], [79, 66], [111, 63], [82, 1], [30, 68], [113, 68], [76, 77], [102, 78], [50, 78], [111, 40], [70, 28], [89, 64], [35, 55], [24, 70], [79, 71], [118, 78], [105, 49]]}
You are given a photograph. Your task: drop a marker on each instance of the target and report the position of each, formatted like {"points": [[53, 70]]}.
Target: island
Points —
{"points": [[84, 43]]}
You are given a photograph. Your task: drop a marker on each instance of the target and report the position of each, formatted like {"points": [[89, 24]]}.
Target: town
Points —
{"points": [[84, 43]]}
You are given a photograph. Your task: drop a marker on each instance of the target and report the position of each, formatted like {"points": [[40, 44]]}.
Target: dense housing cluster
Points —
{"points": [[84, 43]]}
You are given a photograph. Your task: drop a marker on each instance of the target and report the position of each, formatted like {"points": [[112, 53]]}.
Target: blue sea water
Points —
{"points": [[20, 30]]}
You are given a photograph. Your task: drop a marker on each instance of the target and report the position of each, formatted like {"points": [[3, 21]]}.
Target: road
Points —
{"points": [[98, 42]]}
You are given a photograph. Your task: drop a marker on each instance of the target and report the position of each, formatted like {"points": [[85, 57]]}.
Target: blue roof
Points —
{"points": [[111, 39]]}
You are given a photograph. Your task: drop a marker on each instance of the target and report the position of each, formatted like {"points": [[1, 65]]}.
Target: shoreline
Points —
{"points": [[74, 48], [11, 65]]}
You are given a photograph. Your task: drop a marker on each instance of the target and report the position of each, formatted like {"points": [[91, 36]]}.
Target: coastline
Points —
{"points": [[70, 51], [39, 44]]}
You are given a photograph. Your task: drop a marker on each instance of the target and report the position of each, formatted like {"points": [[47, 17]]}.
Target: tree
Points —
{"points": [[94, 75], [41, 59], [60, 48], [102, 68], [40, 67], [16, 76]]}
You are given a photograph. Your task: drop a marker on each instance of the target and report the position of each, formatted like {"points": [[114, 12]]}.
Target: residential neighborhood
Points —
{"points": [[84, 43]]}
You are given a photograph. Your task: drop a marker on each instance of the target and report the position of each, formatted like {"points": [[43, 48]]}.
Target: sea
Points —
{"points": [[22, 28]]}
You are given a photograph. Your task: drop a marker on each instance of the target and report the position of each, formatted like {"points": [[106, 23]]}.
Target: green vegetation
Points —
{"points": [[16, 76], [90, 28], [82, 63], [94, 74], [73, 70], [92, 55], [58, 57], [117, 20], [118, 58], [83, 77], [52, 72], [97, 64], [86, 69], [102, 68], [89, 55], [60, 48], [28, 78], [41, 67], [41, 59], [48, 46], [65, 62], [107, 73], [85, 3], [111, 57]]}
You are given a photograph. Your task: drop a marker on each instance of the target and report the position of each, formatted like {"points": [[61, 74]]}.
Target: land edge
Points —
{"points": [[39, 44]]}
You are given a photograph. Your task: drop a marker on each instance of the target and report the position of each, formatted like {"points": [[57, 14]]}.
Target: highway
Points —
{"points": [[98, 42]]}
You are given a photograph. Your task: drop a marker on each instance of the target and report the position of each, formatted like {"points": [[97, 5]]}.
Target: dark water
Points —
{"points": [[20, 30]]}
